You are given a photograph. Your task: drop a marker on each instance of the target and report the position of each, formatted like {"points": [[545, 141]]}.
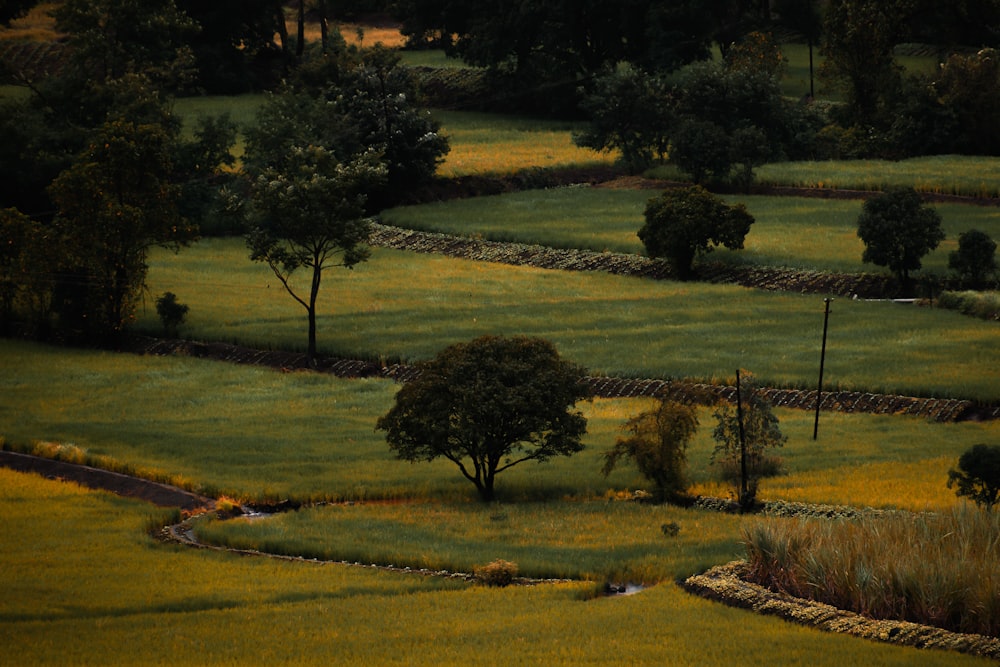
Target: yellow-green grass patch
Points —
{"points": [[940, 174], [85, 585], [604, 540], [483, 143]]}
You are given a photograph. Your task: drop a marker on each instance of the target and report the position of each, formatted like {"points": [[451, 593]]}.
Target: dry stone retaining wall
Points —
{"points": [[602, 387]]}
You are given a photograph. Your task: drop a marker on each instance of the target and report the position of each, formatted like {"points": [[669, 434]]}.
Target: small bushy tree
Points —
{"points": [[978, 475], [975, 261], [488, 405], [684, 223], [898, 230], [747, 440], [657, 444], [171, 312]]}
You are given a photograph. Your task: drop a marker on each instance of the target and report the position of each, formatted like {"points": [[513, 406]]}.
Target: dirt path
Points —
{"points": [[162, 495]]}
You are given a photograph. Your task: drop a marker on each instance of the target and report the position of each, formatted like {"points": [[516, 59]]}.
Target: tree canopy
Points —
{"points": [[488, 405], [684, 223], [975, 260], [114, 203], [898, 230], [978, 475]]}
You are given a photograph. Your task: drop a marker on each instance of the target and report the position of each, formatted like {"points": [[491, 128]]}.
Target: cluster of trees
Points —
{"points": [[896, 227], [95, 170], [642, 74], [745, 434], [495, 402]]}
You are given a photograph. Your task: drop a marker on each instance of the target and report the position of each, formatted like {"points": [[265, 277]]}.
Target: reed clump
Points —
{"points": [[936, 569]]}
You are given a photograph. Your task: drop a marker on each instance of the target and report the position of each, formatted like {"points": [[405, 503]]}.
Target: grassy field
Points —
{"points": [[938, 174], [256, 433], [407, 306], [73, 558], [86, 584], [92, 588], [808, 233]]}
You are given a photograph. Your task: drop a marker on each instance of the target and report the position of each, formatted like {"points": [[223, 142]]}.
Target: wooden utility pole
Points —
{"points": [[822, 359], [744, 491]]}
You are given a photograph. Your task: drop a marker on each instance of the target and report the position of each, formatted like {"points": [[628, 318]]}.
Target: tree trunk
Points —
{"points": [[313, 294], [300, 43]]}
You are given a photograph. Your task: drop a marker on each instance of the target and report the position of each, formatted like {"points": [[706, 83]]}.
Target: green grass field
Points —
{"points": [[408, 306], [257, 433], [808, 233], [86, 584]]}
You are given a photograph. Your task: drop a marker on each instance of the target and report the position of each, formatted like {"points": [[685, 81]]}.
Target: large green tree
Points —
{"points": [[488, 405], [858, 41], [629, 111], [111, 38], [968, 85], [684, 223], [898, 230], [352, 103]]}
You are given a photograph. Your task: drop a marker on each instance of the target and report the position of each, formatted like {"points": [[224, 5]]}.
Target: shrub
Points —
{"points": [[744, 433], [657, 445], [975, 261], [498, 573], [984, 305], [171, 313], [58, 451]]}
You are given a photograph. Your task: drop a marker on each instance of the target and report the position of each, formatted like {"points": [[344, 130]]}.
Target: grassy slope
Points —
{"points": [[85, 585], [809, 233], [259, 433], [407, 306]]}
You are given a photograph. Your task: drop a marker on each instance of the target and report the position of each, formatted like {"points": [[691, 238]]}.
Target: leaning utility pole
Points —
{"points": [[822, 359]]}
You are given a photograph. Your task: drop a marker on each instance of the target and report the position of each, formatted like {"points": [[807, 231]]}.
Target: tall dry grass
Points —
{"points": [[937, 569]]}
